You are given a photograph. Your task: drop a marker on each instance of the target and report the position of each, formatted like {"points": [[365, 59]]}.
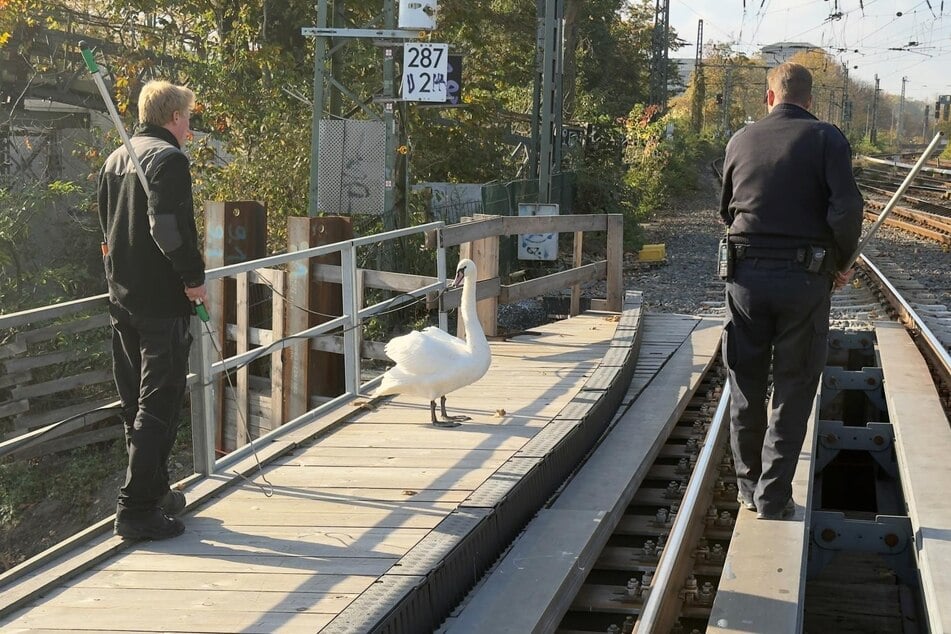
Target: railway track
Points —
{"points": [[684, 557]]}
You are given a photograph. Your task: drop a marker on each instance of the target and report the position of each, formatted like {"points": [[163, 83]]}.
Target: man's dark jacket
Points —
{"points": [[152, 241], [788, 183]]}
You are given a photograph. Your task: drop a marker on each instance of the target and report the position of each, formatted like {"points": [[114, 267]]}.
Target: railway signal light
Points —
{"points": [[719, 99], [937, 110]]}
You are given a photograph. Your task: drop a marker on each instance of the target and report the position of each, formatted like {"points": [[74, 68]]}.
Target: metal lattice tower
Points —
{"points": [[659, 54]]}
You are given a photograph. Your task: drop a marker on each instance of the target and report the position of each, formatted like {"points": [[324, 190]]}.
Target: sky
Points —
{"points": [[893, 38]]}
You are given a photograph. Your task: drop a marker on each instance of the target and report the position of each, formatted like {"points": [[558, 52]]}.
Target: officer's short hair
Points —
{"points": [[160, 100], [791, 82]]}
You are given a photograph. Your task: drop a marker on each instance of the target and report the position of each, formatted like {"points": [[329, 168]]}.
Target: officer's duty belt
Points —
{"points": [[744, 252]]}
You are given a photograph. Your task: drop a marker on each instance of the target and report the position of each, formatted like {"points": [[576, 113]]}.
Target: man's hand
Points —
{"points": [[196, 293], [842, 278]]}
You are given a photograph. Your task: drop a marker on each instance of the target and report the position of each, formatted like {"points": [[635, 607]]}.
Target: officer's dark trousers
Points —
{"points": [[150, 363], [777, 314]]}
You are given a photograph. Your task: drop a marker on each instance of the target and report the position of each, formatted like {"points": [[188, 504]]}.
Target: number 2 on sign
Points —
{"points": [[425, 67]]}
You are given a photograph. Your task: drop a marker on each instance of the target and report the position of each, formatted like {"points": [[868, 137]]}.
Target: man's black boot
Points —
{"points": [[173, 503], [155, 525]]}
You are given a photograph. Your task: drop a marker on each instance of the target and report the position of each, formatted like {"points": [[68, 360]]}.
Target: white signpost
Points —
{"points": [[425, 67]]}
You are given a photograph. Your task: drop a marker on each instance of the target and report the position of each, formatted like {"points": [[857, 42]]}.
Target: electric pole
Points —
{"points": [[846, 110], [659, 54], [545, 153], [901, 113], [699, 90], [873, 136]]}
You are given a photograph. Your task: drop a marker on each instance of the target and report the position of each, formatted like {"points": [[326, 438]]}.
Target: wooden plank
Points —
{"points": [[382, 477], [615, 262], [183, 619], [264, 582], [485, 254], [20, 378], [385, 280], [319, 455], [23, 364], [454, 235], [11, 408], [225, 562], [554, 224], [294, 514], [60, 385], [334, 343], [555, 281], [45, 418], [922, 446], [22, 318], [577, 253], [98, 604]]}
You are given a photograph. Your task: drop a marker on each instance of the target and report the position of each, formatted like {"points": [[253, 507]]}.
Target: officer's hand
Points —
{"points": [[842, 278], [197, 293]]}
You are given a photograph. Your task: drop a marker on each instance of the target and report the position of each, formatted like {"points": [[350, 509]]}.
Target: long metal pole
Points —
{"points": [[895, 198], [116, 120], [320, 54]]}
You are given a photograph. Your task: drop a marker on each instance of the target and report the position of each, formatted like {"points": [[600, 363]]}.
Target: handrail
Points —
{"points": [[208, 366]]}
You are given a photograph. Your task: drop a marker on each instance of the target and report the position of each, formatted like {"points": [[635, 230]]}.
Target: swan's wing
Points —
{"points": [[425, 352]]}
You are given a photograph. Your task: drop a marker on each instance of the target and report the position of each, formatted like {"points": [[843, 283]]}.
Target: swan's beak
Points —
{"points": [[460, 275]]}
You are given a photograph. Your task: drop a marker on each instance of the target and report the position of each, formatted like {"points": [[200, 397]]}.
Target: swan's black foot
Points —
{"points": [[447, 417], [446, 422]]}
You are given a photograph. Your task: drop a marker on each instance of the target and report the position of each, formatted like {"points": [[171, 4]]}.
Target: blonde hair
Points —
{"points": [[160, 100], [791, 83]]}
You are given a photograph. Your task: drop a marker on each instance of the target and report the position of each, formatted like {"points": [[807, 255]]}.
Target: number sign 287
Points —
{"points": [[424, 71]]}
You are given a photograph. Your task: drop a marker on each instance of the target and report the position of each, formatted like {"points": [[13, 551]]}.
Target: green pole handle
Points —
{"points": [[201, 311], [88, 58]]}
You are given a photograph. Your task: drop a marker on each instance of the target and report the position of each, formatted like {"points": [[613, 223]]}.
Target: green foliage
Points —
{"points": [[78, 477], [30, 274]]}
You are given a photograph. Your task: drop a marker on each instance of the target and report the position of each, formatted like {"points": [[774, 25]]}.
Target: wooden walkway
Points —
{"points": [[368, 506]]}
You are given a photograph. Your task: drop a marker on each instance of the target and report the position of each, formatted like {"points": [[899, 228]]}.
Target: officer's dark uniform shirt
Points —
{"points": [[787, 183]]}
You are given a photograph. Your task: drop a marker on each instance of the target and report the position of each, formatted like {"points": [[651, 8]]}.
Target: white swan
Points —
{"points": [[431, 363]]}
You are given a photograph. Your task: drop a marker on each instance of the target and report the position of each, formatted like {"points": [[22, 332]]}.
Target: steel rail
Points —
{"points": [[895, 198], [935, 349], [663, 604]]}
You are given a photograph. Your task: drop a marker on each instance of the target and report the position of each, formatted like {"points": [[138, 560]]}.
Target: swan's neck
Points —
{"points": [[470, 317]]}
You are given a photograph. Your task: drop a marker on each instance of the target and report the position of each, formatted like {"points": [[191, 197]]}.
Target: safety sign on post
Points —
{"points": [[417, 14], [425, 69]]}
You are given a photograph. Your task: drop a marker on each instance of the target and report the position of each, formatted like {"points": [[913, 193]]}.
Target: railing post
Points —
{"points": [[484, 252], [203, 400], [351, 308], [578, 248], [441, 274], [615, 259]]}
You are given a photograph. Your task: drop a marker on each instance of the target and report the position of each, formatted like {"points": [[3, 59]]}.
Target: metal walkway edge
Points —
{"points": [[378, 522]]}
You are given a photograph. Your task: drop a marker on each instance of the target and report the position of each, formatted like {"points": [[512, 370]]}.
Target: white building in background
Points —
{"points": [[776, 54]]}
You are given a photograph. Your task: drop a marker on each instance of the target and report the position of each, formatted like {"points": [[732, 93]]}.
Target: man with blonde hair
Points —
{"points": [[154, 271], [794, 215]]}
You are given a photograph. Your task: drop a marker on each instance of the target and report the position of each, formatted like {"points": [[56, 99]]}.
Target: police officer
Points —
{"points": [[794, 215]]}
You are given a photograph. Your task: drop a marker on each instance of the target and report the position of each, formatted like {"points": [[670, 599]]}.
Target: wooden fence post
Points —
{"points": [[312, 372], [235, 231], [485, 253], [615, 258]]}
